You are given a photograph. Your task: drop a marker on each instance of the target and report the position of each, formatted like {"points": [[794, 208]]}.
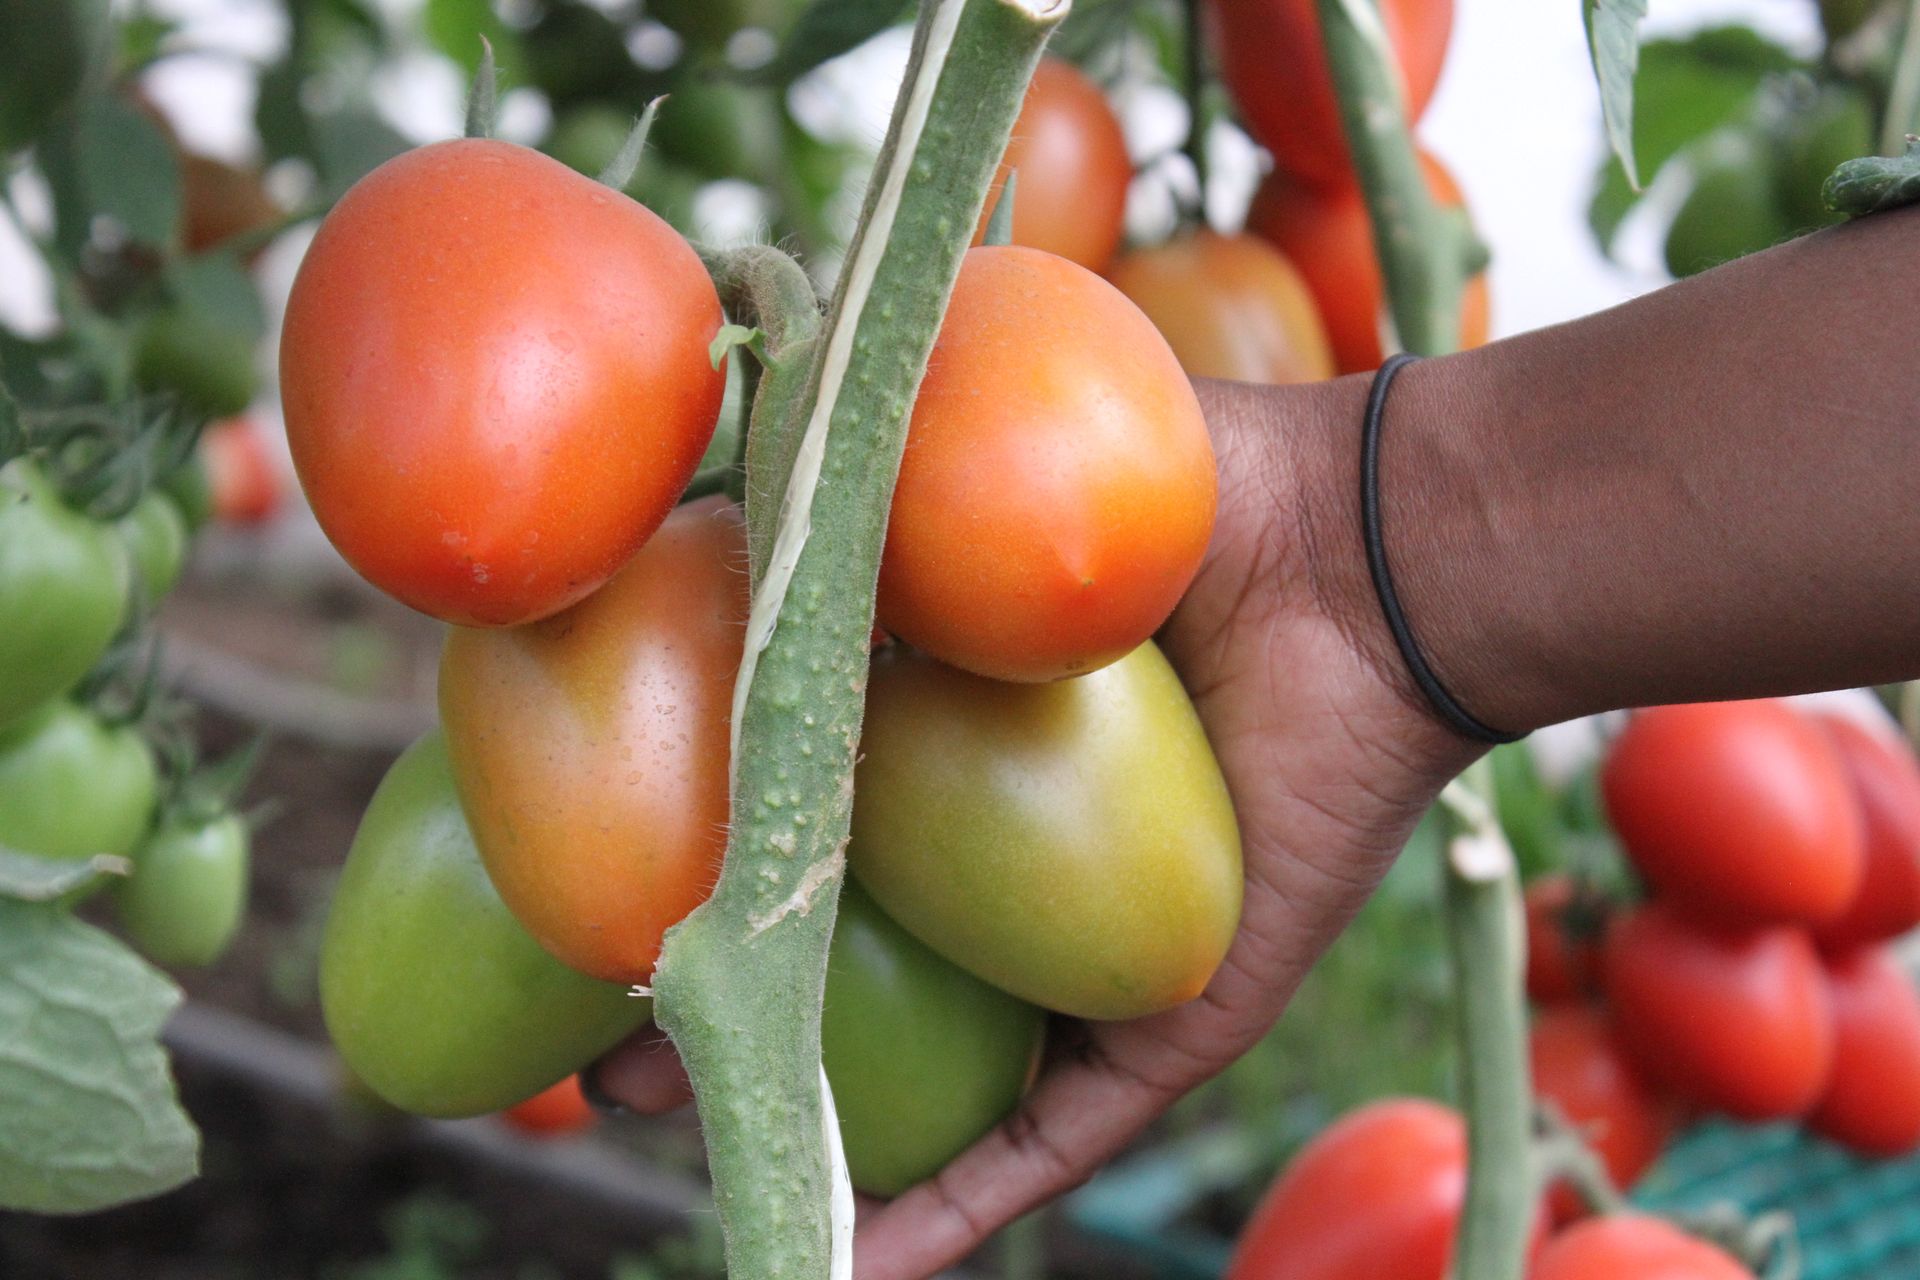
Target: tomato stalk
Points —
{"points": [[740, 981]]}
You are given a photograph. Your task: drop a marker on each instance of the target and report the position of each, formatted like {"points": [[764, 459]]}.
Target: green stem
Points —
{"points": [[1196, 143], [739, 982], [1903, 99]]}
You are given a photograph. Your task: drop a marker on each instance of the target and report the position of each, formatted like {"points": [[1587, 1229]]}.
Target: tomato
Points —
{"points": [[219, 201], [1633, 1247], [1562, 963], [556, 1111], [155, 534], [1738, 810], [566, 403], [72, 786], [191, 491], [1329, 237], [923, 1057], [434, 995], [183, 903], [1733, 208], [1274, 61], [209, 366], [1734, 1018], [1580, 1070], [63, 590], [612, 830], [241, 473], [1885, 781], [1230, 307], [1067, 147], [1057, 490], [1872, 1102], [1071, 843]]}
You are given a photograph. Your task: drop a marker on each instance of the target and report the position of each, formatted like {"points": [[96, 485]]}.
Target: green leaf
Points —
{"points": [[1875, 183], [13, 433], [1613, 38], [48, 50], [351, 143], [736, 335], [825, 30], [217, 288], [107, 159], [86, 1101], [30, 879], [468, 30]]}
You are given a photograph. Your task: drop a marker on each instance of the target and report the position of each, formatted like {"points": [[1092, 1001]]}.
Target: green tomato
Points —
{"points": [[208, 365], [72, 786], [1836, 126], [923, 1057], [1733, 209], [183, 903], [63, 591], [434, 995], [1072, 843], [191, 489], [155, 534]]}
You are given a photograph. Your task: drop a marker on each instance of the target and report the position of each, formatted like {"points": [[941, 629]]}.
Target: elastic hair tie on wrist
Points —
{"points": [[1457, 717]]}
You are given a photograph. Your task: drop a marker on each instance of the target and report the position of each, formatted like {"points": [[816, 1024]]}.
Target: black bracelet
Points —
{"points": [[1457, 716]]}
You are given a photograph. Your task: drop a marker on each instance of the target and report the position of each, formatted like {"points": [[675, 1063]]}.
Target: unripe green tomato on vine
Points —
{"points": [[208, 365], [72, 786], [155, 534], [1734, 208], [183, 903]]}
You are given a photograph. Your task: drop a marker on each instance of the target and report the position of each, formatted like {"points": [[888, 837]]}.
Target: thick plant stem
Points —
{"points": [[739, 982], [1487, 938]]}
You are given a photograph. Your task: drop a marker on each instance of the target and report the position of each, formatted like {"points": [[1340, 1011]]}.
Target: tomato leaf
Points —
{"points": [[26, 878], [217, 287], [106, 159], [1613, 39], [736, 335], [1874, 183], [86, 1100], [47, 52], [825, 30]]}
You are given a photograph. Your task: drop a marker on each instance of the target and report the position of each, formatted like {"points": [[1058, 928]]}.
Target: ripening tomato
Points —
{"points": [[555, 1112], [183, 903], [1737, 810], [1885, 780], [496, 379], [1072, 843], [608, 833], [1071, 195], [1735, 1018], [1872, 1102], [1329, 237], [1633, 1247], [433, 994], [923, 1057], [1580, 1070], [1274, 61], [1562, 962], [1057, 490], [1230, 307], [219, 201], [72, 785], [242, 477]]}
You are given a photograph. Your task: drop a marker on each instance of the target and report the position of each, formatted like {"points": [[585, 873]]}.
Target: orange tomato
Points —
{"points": [[1328, 236], [1230, 307], [1058, 486], [553, 1112], [1067, 146], [496, 379], [590, 749]]}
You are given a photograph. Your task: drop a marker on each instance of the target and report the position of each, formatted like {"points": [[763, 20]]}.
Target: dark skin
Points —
{"points": [[1703, 494]]}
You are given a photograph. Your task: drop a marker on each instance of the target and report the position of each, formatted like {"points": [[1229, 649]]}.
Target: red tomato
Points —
{"points": [[496, 379], [1886, 785], [1738, 810], [1633, 1247], [220, 201], [242, 476], [553, 1112], [1328, 235], [1274, 62], [1057, 490], [1560, 965], [1067, 146], [1872, 1103], [1578, 1067], [1734, 1018]]}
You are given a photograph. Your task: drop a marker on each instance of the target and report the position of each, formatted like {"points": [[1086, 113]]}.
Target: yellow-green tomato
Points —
{"points": [[434, 995], [923, 1057], [183, 903], [72, 785], [1072, 843]]}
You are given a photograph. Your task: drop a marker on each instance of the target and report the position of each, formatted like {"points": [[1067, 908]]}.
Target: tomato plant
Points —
{"points": [[923, 1057], [1872, 1101], [1230, 307], [612, 830], [1563, 962], [1738, 810], [434, 995], [1058, 486], [1731, 1017], [208, 365], [568, 400], [155, 535], [1885, 780], [1633, 1246], [1579, 1069], [244, 484], [1072, 843], [188, 891], [1071, 195], [72, 785], [556, 1111]]}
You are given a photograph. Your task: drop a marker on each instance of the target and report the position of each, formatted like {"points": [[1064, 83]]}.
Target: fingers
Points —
{"points": [[643, 1074]]}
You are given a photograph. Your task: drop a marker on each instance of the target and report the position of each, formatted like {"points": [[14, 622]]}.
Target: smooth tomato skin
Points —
{"points": [[1230, 307], [155, 534], [1274, 61], [244, 481], [434, 996], [555, 1112], [63, 591], [1885, 780], [1872, 1102], [1329, 237], [1071, 843], [72, 786], [1560, 967], [1058, 486], [1737, 810], [612, 830], [1067, 146], [1732, 1018], [924, 1058], [1633, 1247], [496, 380], [188, 891], [1578, 1067]]}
